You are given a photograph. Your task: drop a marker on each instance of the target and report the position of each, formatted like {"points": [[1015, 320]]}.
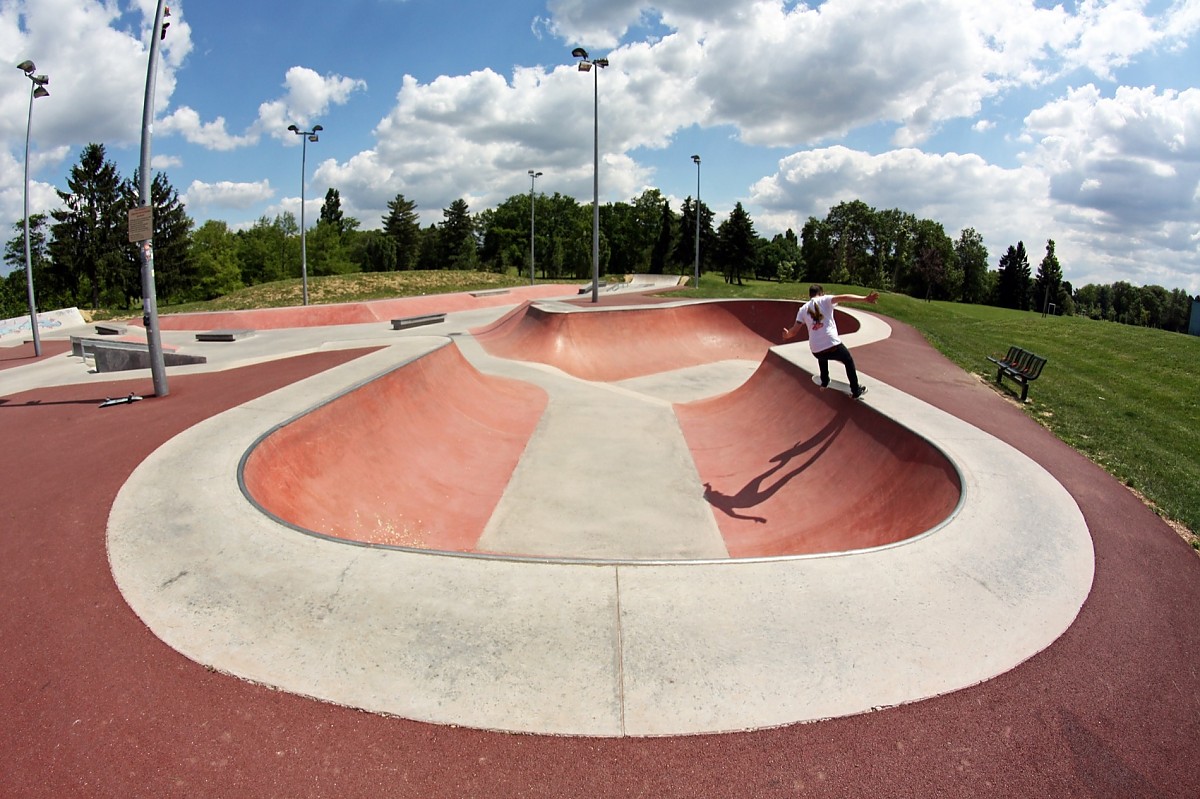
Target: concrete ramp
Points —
{"points": [[417, 457], [622, 343], [791, 469]]}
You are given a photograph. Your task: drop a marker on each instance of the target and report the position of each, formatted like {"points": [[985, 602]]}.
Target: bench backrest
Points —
{"points": [[1030, 364]]}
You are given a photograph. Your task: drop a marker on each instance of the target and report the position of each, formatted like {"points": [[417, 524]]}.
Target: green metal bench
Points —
{"points": [[1019, 365]]}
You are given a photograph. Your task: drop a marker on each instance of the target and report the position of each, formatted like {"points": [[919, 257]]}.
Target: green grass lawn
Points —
{"points": [[1126, 397]]}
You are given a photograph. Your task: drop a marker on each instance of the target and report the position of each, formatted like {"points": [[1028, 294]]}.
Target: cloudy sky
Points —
{"points": [[1024, 119]]}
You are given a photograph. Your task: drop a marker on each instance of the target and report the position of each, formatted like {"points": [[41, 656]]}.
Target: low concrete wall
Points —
{"points": [[48, 321]]}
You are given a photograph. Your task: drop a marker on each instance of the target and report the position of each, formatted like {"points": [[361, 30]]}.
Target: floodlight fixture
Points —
{"points": [[305, 137], [585, 65], [533, 176], [37, 88]]}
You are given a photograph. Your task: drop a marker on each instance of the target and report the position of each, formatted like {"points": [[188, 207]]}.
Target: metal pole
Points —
{"points": [[33, 321], [696, 158], [533, 176], [303, 243], [596, 185], [149, 301]]}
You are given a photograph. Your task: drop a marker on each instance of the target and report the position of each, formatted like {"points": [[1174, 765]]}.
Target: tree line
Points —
{"points": [[81, 256]]}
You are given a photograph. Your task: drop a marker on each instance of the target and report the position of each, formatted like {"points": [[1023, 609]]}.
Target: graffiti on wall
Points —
{"points": [[47, 321]]}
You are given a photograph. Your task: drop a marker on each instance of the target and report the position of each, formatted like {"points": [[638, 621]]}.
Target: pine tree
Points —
{"points": [[403, 227], [459, 248], [331, 211], [1048, 283], [174, 273], [1012, 287], [662, 245], [684, 254], [89, 236]]}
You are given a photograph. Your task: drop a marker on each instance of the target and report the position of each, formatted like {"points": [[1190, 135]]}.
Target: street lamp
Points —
{"points": [[585, 65], [533, 176], [696, 158], [37, 88], [307, 136], [158, 366]]}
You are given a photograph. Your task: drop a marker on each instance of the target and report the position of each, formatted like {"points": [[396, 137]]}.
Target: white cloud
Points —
{"points": [[1135, 152], [594, 24], [227, 195], [945, 188], [1004, 205], [99, 103], [1124, 172], [209, 135], [483, 131], [308, 96], [787, 74]]}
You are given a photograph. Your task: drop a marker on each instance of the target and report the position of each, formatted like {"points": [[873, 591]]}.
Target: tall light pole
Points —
{"points": [[533, 176], [37, 88], [585, 64], [145, 213], [306, 137], [696, 158]]}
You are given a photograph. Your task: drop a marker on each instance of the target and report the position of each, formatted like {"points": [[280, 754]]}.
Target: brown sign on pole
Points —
{"points": [[141, 223]]}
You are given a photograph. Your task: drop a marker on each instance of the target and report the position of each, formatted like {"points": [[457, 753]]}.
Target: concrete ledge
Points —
{"points": [[122, 359], [488, 292], [224, 335], [416, 321], [82, 346], [111, 329], [119, 356]]}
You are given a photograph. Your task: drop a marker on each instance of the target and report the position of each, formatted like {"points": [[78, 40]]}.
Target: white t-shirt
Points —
{"points": [[817, 316]]}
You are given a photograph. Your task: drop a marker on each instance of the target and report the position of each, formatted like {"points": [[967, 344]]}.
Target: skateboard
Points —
{"points": [[838, 385], [120, 400]]}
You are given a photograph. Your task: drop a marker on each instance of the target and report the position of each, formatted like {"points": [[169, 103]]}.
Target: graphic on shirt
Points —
{"points": [[814, 311]]}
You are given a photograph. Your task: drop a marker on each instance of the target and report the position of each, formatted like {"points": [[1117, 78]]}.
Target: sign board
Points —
{"points": [[141, 223]]}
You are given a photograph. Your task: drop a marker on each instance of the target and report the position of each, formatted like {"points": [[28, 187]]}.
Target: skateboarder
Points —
{"points": [[817, 316]]}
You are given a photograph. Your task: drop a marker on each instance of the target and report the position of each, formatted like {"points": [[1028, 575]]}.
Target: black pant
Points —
{"points": [[838, 353]]}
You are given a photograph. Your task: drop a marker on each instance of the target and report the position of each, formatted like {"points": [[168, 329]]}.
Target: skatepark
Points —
{"points": [[635, 529]]}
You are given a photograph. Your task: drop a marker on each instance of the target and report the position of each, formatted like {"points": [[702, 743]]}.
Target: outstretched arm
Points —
{"points": [[790, 332], [871, 298]]}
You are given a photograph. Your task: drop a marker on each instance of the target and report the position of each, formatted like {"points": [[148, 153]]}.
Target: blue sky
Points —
{"points": [[1077, 121]]}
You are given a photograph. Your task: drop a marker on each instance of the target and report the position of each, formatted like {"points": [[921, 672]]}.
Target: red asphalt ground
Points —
{"points": [[94, 705]]}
